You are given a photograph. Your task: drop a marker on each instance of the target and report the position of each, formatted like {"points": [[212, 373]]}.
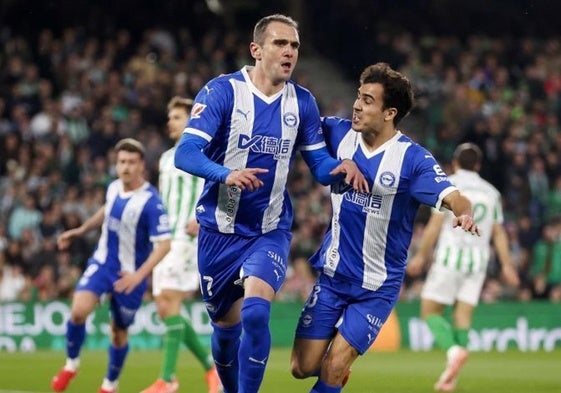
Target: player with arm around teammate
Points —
{"points": [[460, 263], [176, 277], [244, 131], [134, 237], [363, 255]]}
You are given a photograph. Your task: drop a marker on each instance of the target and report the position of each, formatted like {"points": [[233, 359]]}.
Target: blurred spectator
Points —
{"points": [[12, 281], [26, 216], [545, 269]]}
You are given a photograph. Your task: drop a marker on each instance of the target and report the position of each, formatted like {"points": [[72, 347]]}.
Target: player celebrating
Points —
{"points": [[134, 238], [244, 131], [363, 255]]}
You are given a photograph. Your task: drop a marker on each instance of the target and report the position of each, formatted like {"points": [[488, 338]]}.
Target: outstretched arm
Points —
{"points": [[95, 221], [461, 207]]}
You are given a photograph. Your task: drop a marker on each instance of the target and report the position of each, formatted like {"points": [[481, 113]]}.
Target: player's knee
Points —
{"points": [[255, 314], [163, 307], [299, 370], [119, 336]]}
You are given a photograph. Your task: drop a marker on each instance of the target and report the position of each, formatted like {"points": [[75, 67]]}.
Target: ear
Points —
{"points": [[255, 50], [390, 114]]}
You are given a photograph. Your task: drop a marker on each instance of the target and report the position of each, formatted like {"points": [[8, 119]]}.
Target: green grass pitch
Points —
{"points": [[399, 372]]}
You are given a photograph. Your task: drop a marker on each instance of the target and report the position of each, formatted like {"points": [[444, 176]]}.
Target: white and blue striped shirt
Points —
{"points": [[133, 221], [370, 233], [246, 129]]}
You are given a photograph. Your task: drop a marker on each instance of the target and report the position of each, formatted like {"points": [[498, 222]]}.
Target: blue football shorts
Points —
{"points": [[224, 259], [337, 304], [99, 279]]}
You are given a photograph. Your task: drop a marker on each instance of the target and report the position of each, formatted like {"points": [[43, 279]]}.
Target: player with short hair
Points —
{"points": [[460, 262], [244, 131], [135, 236], [363, 254], [176, 277]]}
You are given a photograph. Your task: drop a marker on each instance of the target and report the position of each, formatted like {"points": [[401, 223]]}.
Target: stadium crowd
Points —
{"points": [[66, 98]]}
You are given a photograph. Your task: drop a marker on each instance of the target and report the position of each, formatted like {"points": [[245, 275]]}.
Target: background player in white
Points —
{"points": [[135, 236], [243, 134], [363, 255], [460, 262], [176, 277]]}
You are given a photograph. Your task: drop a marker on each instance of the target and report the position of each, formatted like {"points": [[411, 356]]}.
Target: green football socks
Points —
{"points": [[441, 330], [461, 337], [191, 340], [175, 325]]}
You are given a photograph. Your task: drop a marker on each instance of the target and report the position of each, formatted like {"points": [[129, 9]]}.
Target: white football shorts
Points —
{"points": [[444, 285], [177, 270]]}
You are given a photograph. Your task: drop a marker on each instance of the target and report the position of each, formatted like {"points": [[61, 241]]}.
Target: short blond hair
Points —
{"points": [[180, 102]]}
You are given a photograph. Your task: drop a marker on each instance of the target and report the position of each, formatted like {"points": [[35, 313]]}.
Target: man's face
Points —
{"points": [[368, 113], [130, 167], [177, 120], [279, 52]]}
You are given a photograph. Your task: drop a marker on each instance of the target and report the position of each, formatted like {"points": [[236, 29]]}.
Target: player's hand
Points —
{"points": [[246, 179], [466, 223], [127, 282], [510, 275], [192, 228], [415, 265], [353, 175], [65, 238]]}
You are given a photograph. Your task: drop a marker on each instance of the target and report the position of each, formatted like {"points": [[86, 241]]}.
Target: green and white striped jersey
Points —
{"points": [[461, 250], [180, 192]]}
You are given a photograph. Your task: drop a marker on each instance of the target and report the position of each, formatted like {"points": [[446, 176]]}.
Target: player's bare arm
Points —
{"points": [[246, 179], [65, 238], [461, 207]]}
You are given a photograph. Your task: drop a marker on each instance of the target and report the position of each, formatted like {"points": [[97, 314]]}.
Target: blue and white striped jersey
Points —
{"points": [[369, 234], [133, 220], [247, 129]]}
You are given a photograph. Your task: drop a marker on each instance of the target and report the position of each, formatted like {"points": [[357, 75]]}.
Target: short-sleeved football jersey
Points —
{"points": [[370, 233], [247, 129], [133, 221]]}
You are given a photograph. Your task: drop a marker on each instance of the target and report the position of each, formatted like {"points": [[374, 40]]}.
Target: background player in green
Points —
{"points": [[460, 262], [176, 277]]}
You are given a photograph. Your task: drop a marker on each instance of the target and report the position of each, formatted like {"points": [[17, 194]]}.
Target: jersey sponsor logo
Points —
{"points": [[278, 147], [438, 170], [233, 192], [440, 179], [290, 119], [163, 223], [374, 321], [197, 110], [370, 203], [341, 187], [387, 179]]}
